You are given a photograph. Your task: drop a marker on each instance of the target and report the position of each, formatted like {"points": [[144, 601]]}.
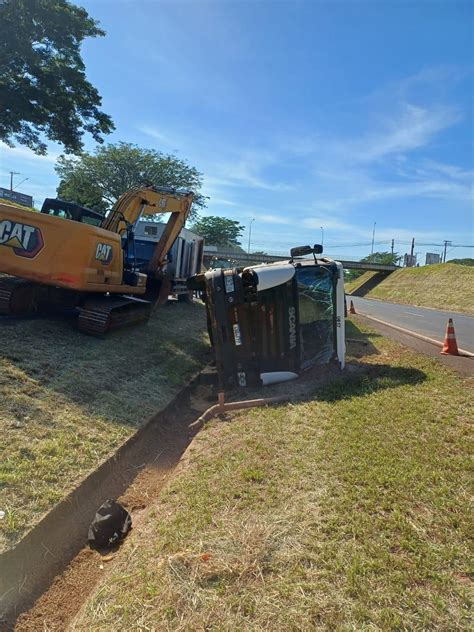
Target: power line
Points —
{"points": [[403, 242]]}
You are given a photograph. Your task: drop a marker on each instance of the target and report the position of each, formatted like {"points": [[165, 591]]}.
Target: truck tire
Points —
{"points": [[186, 297]]}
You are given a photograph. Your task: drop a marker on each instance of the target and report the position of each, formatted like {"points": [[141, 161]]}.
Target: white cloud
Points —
{"points": [[413, 128], [243, 169], [261, 213], [24, 153], [221, 201], [332, 174], [332, 223], [452, 171], [158, 135], [229, 165], [269, 218]]}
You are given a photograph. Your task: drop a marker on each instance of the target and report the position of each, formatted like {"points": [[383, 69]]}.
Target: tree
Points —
{"points": [[43, 86], [385, 258], [463, 262], [98, 179], [218, 231]]}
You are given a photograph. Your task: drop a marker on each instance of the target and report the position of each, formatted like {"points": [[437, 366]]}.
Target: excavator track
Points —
{"points": [[99, 315], [16, 296]]}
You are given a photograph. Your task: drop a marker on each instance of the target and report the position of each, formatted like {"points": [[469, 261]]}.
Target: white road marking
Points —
{"points": [[463, 352], [414, 314]]}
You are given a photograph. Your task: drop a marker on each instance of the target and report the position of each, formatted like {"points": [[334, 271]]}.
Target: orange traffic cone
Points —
{"points": [[352, 309], [450, 346]]}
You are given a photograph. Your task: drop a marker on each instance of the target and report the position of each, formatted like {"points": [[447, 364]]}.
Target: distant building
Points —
{"points": [[432, 257], [15, 196], [409, 261]]}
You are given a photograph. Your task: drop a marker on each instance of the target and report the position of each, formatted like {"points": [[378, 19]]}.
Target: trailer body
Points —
{"points": [[184, 259]]}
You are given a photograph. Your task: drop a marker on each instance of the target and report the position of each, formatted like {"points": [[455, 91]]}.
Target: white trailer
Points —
{"points": [[184, 258]]}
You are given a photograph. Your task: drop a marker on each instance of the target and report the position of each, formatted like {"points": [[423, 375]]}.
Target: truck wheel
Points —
{"points": [[186, 297]]}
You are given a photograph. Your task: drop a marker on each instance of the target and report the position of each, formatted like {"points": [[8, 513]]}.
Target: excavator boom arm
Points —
{"points": [[146, 200], [150, 200]]}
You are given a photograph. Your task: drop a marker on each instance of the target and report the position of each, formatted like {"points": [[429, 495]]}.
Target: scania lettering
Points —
{"points": [[292, 326]]}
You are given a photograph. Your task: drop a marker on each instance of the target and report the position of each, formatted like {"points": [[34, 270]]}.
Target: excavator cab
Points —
{"points": [[71, 211]]}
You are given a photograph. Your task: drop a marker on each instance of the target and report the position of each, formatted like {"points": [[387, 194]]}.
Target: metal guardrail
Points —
{"points": [[362, 265]]}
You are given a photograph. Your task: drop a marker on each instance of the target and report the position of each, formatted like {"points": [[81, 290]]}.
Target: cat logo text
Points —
{"points": [[24, 240], [103, 253]]}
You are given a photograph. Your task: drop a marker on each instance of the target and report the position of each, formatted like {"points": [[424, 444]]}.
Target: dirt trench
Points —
{"points": [[47, 577]]}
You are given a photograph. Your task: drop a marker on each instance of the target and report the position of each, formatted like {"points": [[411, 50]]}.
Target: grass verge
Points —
{"points": [[68, 400], [348, 510], [442, 286]]}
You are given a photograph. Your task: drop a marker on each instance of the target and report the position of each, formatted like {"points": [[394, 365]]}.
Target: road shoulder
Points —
{"points": [[462, 365]]}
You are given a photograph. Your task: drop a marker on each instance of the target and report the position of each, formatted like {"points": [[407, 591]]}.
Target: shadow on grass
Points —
{"points": [[358, 343], [361, 379]]}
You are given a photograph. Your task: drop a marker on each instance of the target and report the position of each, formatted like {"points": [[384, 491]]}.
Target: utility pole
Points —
{"points": [[412, 251], [446, 242], [373, 238], [13, 173], [250, 234], [322, 236], [393, 245]]}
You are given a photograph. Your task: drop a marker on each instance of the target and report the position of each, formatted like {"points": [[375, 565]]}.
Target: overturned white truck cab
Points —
{"points": [[268, 323]]}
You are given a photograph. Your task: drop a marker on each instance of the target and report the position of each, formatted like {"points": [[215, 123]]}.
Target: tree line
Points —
{"points": [[45, 95]]}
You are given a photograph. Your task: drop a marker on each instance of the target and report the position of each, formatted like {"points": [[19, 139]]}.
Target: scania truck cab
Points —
{"points": [[269, 323]]}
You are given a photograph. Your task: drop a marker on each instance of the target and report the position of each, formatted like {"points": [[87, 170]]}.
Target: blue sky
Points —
{"points": [[299, 114]]}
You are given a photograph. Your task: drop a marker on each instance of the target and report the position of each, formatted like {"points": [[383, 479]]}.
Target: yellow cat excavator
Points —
{"points": [[69, 257]]}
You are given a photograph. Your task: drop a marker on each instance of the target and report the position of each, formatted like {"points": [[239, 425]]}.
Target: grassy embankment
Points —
{"points": [[443, 286], [68, 400], [348, 510], [351, 286]]}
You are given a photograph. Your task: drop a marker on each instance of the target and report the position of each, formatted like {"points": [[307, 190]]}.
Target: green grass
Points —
{"points": [[345, 510], [68, 400], [444, 286]]}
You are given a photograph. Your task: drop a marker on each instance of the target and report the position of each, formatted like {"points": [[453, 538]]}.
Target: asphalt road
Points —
{"points": [[427, 322]]}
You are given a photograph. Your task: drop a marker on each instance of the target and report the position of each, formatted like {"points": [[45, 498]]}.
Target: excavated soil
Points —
{"points": [[48, 594]]}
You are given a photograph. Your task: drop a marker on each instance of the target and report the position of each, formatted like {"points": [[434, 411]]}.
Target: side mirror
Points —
{"points": [[300, 251]]}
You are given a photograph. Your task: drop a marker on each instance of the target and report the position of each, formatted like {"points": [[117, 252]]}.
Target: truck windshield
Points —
{"points": [[316, 314]]}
